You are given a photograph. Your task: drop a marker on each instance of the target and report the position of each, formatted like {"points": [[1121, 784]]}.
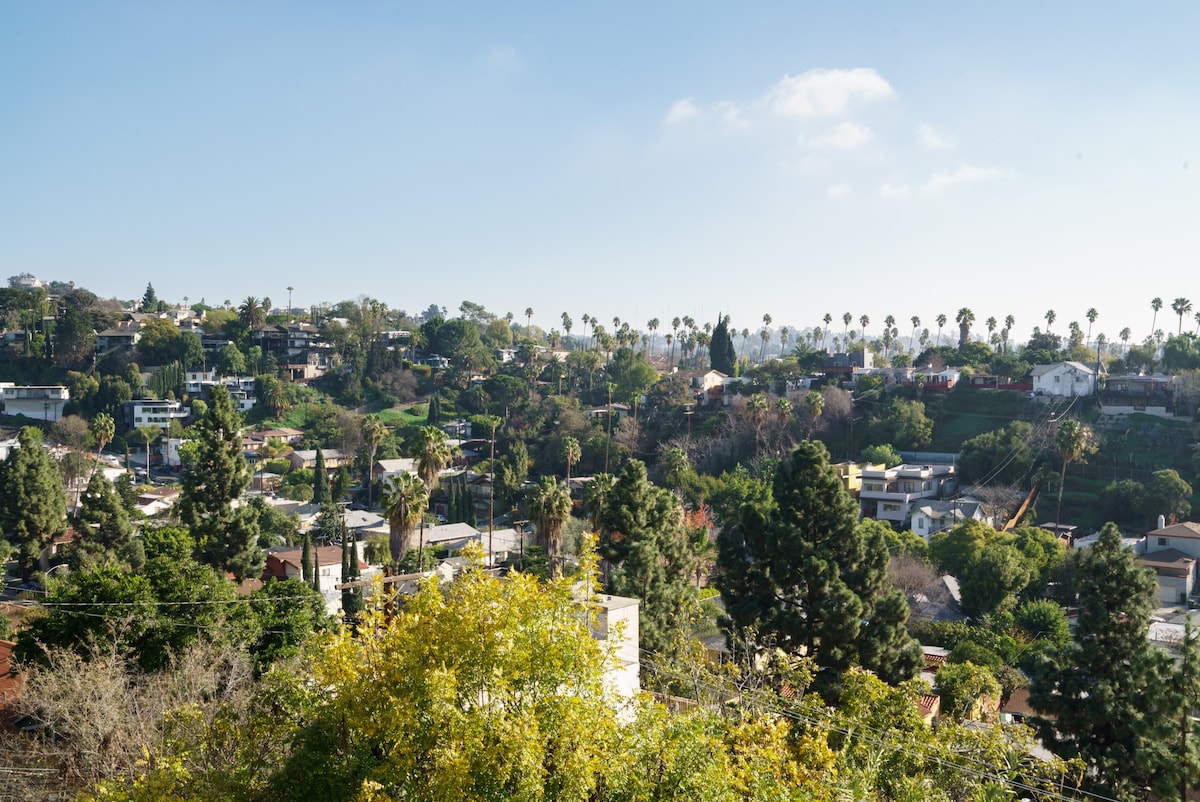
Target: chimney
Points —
{"points": [[1162, 522]]}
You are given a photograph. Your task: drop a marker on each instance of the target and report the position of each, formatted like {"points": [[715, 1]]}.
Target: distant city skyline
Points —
{"points": [[617, 160]]}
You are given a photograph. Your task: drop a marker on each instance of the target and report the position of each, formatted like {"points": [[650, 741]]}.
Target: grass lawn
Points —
{"points": [[968, 413], [414, 415]]}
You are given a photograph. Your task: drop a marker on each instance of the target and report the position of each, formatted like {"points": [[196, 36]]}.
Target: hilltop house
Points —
{"points": [[1064, 379], [890, 494], [1174, 553], [43, 402]]}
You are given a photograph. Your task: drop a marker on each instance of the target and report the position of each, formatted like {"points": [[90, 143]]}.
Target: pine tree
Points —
{"points": [[106, 530], [149, 299], [798, 568], [321, 492], [33, 505], [642, 535], [1108, 689], [722, 355], [215, 474], [434, 416]]}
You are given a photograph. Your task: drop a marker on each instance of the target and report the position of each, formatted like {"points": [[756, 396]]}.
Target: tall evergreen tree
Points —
{"points": [[306, 565], [215, 474], [642, 535], [1107, 693], [321, 492], [149, 299], [352, 598], [33, 505], [798, 568], [722, 355], [105, 524], [434, 415]]}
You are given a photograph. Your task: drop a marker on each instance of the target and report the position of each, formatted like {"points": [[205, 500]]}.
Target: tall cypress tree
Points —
{"points": [[321, 493], [798, 568], [33, 505], [352, 598], [642, 535], [215, 474], [434, 415], [306, 566], [722, 355], [1108, 689]]}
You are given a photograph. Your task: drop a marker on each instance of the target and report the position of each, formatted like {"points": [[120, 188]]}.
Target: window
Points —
{"points": [[891, 508], [1058, 378], [920, 523], [1162, 541]]}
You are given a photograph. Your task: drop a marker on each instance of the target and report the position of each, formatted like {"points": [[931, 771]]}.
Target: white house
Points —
{"points": [[1064, 379], [154, 412], [43, 402], [937, 515], [1174, 553], [616, 621], [891, 493]]}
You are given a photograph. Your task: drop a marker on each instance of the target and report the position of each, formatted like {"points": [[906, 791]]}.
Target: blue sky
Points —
{"points": [[618, 159]]}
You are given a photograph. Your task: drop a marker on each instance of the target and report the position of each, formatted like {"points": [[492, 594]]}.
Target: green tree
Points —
{"points": [[33, 505], [571, 454], [214, 475], [963, 688], [352, 598], [798, 568], [432, 453], [721, 353], [1004, 456], [992, 580], [1074, 441], [321, 493], [106, 529], [549, 510], [642, 535], [1106, 692], [885, 454], [903, 424], [149, 299], [1168, 494], [306, 563], [405, 500]]}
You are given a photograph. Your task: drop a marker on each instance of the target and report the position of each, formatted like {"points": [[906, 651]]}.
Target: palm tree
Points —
{"points": [[846, 318], [432, 454], [916, 321], [756, 406], [567, 323], [675, 323], [1050, 316], [1125, 335], [964, 319], [571, 454], [652, 327], [1156, 304], [528, 319], [1181, 306], [1091, 316], [765, 335], [374, 430], [816, 405], [405, 500], [289, 289], [991, 324], [675, 465], [102, 429], [941, 321], [863, 321], [595, 495], [826, 320], [1074, 441], [1197, 318], [549, 510], [1009, 322], [251, 314]]}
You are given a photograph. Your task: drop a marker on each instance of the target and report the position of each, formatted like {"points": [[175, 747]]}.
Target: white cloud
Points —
{"points": [[934, 139], [680, 111], [824, 92], [894, 191], [838, 191], [731, 115], [845, 136], [941, 181]]}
